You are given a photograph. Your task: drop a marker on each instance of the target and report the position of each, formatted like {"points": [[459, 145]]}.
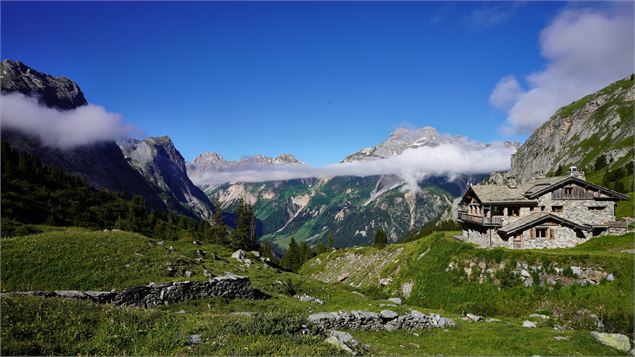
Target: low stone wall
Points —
{"points": [[231, 287], [385, 320]]}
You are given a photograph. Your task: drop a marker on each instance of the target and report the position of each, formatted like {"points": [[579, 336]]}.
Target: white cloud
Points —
{"points": [[506, 93], [585, 49], [412, 165], [60, 128]]}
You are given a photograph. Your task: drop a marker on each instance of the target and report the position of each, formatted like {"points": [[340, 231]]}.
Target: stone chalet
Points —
{"points": [[554, 212]]}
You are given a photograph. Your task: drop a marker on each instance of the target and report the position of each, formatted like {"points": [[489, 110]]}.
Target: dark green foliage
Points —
{"points": [[320, 248], [12, 228], [380, 239], [219, 229], [330, 242], [558, 171], [36, 194], [267, 251], [292, 259], [600, 162], [244, 236]]}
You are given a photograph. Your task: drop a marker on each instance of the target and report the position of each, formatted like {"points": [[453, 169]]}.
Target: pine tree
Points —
{"points": [[244, 236], [219, 229], [320, 248], [267, 251], [380, 240], [330, 242], [599, 163], [291, 259]]}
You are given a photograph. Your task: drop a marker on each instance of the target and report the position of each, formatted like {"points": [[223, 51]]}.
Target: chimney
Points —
{"points": [[511, 182], [573, 171]]}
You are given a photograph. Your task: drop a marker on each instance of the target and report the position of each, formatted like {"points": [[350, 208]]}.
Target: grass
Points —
{"points": [[485, 339], [424, 262], [89, 260]]}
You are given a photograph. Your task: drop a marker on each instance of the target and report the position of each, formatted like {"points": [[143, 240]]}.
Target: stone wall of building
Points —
{"points": [[578, 210]]}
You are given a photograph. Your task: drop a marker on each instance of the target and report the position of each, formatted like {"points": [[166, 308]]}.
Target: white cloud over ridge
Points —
{"points": [[585, 49], [412, 165], [62, 129]]}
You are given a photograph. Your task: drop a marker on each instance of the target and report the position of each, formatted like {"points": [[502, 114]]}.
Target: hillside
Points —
{"points": [[271, 325], [443, 273]]}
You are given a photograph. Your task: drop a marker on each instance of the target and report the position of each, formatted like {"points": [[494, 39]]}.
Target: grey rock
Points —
{"points": [[474, 317], [307, 298], [194, 340], [239, 255], [610, 277], [615, 340], [388, 315], [188, 273], [560, 338], [529, 324], [395, 300]]}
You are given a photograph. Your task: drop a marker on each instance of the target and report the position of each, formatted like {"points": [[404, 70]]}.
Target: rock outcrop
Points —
{"points": [[386, 320], [54, 92], [600, 123], [154, 294], [162, 165]]}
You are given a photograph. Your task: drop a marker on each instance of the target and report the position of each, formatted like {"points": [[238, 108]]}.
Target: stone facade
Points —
{"points": [[552, 213]]}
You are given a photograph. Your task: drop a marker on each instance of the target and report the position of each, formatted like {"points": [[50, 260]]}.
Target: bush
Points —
{"points": [[12, 228]]}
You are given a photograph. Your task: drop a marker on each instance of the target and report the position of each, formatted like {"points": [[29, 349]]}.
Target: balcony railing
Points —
{"points": [[482, 220]]}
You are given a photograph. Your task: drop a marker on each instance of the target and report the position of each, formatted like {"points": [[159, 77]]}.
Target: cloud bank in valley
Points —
{"points": [[412, 165], [585, 49], [62, 129]]}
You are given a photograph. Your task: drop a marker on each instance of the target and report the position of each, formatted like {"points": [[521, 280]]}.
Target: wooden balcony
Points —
{"points": [[495, 221]]}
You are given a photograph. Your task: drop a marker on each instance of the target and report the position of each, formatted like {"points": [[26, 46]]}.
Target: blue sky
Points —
{"points": [[318, 80]]}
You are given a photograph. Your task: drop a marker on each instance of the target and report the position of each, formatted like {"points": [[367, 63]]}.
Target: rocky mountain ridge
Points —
{"points": [[412, 138], [157, 172], [598, 124]]}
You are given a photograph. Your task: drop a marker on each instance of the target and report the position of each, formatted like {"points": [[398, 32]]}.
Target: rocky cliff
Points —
{"points": [[161, 164], [598, 124], [102, 164]]}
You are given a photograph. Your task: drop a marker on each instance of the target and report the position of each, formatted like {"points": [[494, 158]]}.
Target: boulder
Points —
{"points": [[529, 324], [385, 281], [194, 340], [474, 317], [344, 341], [307, 298], [239, 255], [395, 300], [388, 315], [406, 289], [615, 340]]}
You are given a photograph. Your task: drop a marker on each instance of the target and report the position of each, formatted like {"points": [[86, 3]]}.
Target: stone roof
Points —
{"points": [[536, 218], [503, 193]]}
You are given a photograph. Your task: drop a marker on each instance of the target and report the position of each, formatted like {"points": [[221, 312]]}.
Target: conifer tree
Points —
{"points": [[291, 259], [219, 229], [380, 239], [244, 236], [330, 242]]}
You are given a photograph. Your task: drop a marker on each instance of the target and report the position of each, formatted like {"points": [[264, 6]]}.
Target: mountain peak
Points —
{"points": [[54, 92]]}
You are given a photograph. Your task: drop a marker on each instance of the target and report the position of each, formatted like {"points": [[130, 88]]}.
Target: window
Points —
{"points": [[542, 208], [597, 208], [556, 209], [568, 190], [514, 211], [541, 232], [531, 209]]}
